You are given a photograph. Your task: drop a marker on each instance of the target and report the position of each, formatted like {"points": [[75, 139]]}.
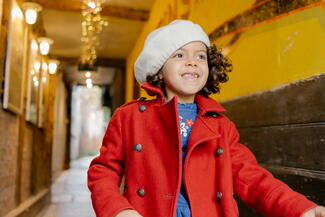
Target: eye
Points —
{"points": [[178, 55], [202, 57]]}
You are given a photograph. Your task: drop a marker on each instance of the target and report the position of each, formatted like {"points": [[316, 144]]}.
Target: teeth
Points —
{"points": [[190, 75]]}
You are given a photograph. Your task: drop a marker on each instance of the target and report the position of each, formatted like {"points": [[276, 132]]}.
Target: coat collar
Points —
{"points": [[205, 104]]}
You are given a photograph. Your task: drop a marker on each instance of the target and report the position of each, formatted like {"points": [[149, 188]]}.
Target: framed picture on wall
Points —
{"points": [[33, 82], [14, 61]]}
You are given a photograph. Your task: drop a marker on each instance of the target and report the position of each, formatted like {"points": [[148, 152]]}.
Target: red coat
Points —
{"points": [[143, 140]]}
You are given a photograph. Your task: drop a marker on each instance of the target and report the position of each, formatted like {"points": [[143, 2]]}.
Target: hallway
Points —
{"points": [[70, 195], [66, 66]]}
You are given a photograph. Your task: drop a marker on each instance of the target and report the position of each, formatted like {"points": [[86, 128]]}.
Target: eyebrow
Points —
{"points": [[195, 51]]}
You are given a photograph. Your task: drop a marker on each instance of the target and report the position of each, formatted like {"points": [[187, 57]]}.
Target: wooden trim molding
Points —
{"points": [[260, 13], [108, 10]]}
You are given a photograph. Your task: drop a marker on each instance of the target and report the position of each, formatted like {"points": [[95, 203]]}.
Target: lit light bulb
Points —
{"points": [[34, 45], [35, 78], [31, 16], [36, 83], [31, 9], [53, 66], [45, 48], [91, 4], [44, 67], [44, 79], [90, 85], [17, 13], [44, 45], [37, 66], [89, 81], [88, 74]]}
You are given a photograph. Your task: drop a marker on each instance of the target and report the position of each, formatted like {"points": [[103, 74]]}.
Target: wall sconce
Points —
{"points": [[53, 66], [31, 9], [44, 45]]}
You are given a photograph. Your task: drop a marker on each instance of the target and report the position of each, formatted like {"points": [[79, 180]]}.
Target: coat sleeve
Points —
{"points": [[258, 188], [105, 173]]}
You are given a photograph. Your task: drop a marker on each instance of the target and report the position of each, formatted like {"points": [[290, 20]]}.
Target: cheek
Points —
{"points": [[205, 70]]}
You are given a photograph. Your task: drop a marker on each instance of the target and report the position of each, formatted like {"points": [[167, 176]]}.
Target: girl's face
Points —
{"points": [[186, 71]]}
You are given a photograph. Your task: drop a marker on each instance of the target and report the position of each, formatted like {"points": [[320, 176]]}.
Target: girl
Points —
{"points": [[179, 154]]}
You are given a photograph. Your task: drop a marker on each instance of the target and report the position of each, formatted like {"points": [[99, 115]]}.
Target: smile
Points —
{"points": [[190, 75]]}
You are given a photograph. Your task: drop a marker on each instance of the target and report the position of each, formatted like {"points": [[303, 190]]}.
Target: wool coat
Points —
{"points": [[143, 143]]}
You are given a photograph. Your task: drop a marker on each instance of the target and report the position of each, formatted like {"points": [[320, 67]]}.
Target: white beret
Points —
{"points": [[163, 42]]}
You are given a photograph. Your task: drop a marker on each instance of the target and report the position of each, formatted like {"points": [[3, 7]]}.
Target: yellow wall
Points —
{"points": [[281, 51], [285, 50]]}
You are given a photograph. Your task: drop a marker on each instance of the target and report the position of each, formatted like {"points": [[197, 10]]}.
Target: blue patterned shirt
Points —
{"points": [[187, 117]]}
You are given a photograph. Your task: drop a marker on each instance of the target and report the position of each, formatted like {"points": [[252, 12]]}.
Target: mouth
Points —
{"points": [[190, 75]]}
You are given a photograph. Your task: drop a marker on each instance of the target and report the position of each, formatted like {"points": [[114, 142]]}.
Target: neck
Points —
{"points": [[182, 99]]}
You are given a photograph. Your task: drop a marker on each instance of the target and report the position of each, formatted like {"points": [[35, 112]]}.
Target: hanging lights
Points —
{"points": [[92, 25]]}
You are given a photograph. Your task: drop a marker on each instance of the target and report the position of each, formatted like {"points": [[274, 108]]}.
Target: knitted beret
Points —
{"points": [[163, 42]]}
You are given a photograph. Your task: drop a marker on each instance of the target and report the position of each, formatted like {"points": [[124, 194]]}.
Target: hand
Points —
{"points": [[318, 211], [128, 213]]}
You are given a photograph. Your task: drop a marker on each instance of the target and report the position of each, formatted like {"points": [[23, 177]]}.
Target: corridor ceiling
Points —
{"points": [[62, 22]]}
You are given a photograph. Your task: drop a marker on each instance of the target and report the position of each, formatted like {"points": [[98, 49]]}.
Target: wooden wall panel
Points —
{"points": [[299, 102], [285, 128], [301, 146]]}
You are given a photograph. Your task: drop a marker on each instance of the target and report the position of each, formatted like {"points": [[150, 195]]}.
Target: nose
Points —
{"points": [[191, 62]]}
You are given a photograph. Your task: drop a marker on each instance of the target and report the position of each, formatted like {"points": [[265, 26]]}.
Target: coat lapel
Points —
{"points": [[205, 127]]}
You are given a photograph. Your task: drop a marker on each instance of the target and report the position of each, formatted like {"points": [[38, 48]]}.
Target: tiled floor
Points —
{"points": [[70, 195]]}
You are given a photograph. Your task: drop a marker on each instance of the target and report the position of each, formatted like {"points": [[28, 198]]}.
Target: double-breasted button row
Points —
{"points": [[138, 147], [142, 108], [141, 192], [219, 151]]}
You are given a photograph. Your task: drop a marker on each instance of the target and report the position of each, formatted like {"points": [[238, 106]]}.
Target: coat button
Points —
{"points": [[219, 151], [141, 192], [142, 98], [142, 108], [138, 147], [219, 195]]}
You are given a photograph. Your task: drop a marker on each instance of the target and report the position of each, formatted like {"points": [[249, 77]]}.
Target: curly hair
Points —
{"points": [[219, 66]]}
